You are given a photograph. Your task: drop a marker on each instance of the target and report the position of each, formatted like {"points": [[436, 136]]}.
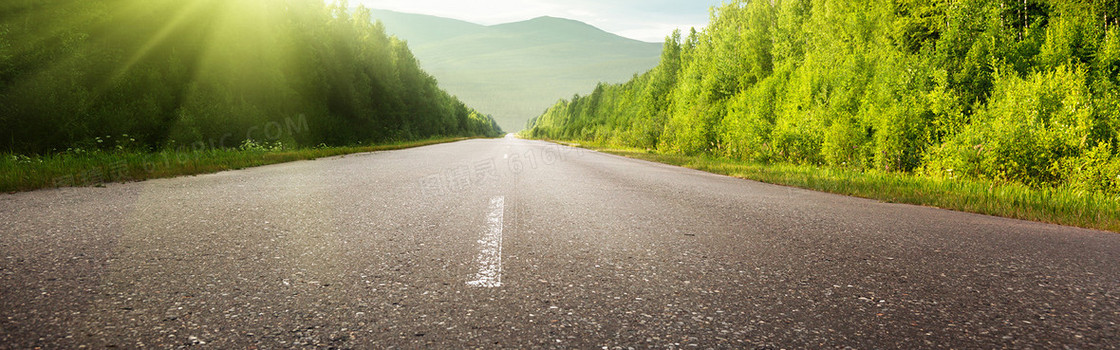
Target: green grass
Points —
{"points": [[20, 173], [1010, 200]]}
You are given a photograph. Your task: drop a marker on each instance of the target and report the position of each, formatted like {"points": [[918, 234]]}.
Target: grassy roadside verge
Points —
{"points": [[96, 168], [1056, 206]]}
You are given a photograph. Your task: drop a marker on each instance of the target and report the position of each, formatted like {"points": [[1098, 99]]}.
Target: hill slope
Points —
{"points": [[516, 70]]}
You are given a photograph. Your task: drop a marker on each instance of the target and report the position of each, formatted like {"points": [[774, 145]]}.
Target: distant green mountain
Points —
{"points": [[515, 71]]}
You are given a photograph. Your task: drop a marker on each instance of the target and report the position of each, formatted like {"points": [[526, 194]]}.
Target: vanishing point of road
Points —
{"points": [[511, 243]]}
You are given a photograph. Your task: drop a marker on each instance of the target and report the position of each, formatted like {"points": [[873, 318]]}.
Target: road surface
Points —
{"points": [[526, 244]]}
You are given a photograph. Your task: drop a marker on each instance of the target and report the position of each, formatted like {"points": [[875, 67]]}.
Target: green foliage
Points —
{"points": [[1006, 91], [211, 74], [1029, 132]]}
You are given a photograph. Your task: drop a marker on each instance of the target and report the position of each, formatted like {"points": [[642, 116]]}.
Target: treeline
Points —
{"points": [[1011, 90], [158, 74]]}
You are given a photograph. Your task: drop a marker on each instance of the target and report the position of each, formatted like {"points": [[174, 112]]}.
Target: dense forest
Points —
{"points": [[159, 74], [1009, 90]]}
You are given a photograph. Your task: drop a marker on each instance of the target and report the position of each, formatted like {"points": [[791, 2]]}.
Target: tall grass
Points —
{"points": [[22, 173], [1011, 200]]}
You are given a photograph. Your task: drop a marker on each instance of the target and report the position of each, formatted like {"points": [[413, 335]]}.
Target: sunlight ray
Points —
{"points": [[180, 18]]}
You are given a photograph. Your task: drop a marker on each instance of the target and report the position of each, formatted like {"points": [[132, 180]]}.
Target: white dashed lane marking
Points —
{"points": [[490, 255]]}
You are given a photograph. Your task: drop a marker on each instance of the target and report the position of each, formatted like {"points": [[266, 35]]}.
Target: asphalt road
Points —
{"points": [[525, 244]]}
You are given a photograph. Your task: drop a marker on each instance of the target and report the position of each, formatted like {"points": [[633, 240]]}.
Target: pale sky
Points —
{"points": [[646, 20]]}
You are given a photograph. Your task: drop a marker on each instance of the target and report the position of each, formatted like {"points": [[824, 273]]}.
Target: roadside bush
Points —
{"points": [[1027, 130], [1097, 170]]}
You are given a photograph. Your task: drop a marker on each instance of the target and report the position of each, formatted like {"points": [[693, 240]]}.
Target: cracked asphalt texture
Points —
{"points": [[374, 251]]}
